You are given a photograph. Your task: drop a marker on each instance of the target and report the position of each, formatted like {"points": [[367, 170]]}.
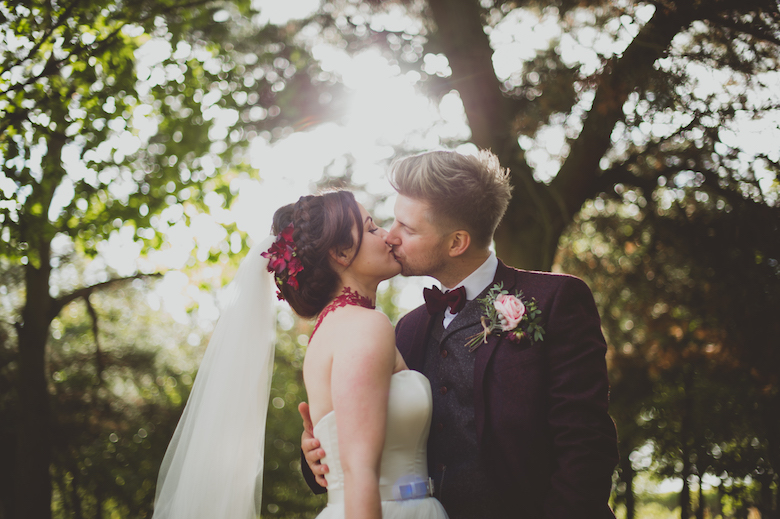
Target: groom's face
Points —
{"points": [[418, 245]]}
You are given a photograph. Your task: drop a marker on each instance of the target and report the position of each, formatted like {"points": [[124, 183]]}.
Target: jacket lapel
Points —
{"points": [[485, 351], [469, 316], [412, 346]]}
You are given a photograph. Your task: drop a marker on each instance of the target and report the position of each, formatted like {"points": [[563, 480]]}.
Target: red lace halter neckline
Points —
{"points": [[346, 298]]}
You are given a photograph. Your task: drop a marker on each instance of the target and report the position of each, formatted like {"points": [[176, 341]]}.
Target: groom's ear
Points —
{"points": [[459, 243]]}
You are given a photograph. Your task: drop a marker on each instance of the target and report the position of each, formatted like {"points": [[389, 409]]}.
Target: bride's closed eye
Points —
{"points": [[374, 228]]}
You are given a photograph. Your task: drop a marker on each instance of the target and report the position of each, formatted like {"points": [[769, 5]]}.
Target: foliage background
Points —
{"points": [[642, 142]]}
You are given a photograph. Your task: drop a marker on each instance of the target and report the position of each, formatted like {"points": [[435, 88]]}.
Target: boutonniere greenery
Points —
{"points": [[510, 314]]}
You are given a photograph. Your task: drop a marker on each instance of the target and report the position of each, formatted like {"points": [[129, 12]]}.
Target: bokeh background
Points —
{"points": [[145, 145]]}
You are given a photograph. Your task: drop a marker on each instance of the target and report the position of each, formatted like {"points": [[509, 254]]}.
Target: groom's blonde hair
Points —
{"points": [[468, 192]]}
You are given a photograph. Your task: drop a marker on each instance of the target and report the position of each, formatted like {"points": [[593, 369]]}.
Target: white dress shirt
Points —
{"points": [[474, 283]]}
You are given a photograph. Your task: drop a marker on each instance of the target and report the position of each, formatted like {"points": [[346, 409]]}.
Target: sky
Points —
{"points": [[386, 110]]}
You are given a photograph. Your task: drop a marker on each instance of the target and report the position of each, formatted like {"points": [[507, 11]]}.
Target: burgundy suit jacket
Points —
{"points": [[541, 408]]}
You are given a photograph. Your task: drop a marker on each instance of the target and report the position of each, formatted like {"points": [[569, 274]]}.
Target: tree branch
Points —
{"points": [[757, 31], [53, 66], [98, 355], [622, 75], [84, 292], [620, 174], [60, 20]]}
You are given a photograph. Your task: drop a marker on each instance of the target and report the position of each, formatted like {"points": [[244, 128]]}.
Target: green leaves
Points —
{"points": [[129, 108], [118, 116]]}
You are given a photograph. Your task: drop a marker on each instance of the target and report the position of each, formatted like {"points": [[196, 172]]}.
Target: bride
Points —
{"points": [[371, 413]]}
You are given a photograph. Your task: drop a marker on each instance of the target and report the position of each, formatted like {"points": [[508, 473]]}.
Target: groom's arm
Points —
{"points": [[309, 476], [583, 434], [313, 471]]}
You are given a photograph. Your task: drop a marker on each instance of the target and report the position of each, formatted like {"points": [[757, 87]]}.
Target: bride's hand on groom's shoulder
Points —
{"points": [[311, 447]]}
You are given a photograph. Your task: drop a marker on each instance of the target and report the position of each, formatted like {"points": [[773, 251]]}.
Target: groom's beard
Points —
{"points": [[427, 265]]}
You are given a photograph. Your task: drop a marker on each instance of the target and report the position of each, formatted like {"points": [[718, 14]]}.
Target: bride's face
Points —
{"points": [[375, 258]]}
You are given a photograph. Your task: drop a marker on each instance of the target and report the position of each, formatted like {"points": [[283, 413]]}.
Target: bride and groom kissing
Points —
{"points": [[496, 388]]}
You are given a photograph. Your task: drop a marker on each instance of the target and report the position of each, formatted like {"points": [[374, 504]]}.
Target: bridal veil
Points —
{"points": [[213, 467]]}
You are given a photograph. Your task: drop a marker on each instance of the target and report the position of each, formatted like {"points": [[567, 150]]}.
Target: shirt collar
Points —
{"points": [[480, 279]]}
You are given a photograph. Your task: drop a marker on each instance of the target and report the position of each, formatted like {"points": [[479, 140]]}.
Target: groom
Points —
{"points": [[520, 427]]}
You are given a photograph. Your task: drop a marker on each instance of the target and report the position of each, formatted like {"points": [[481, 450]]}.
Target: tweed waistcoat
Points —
{"points": [[461, 479]]}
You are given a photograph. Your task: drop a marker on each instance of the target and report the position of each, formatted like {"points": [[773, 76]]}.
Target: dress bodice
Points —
{"points": [[404, 457]]}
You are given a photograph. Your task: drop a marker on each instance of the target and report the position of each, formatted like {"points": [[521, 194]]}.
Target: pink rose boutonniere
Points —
{"points": [[510, 314], [510, 311]]}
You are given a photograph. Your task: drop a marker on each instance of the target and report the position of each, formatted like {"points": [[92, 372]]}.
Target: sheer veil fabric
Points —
{"points": [[213, 467]]}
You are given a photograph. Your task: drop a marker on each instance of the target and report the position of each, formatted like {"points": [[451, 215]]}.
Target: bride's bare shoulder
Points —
{"points": [[363, 353], [355, 326]]}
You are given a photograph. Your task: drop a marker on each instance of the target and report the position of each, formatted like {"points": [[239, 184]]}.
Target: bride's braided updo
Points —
{"points": [[321, 224]]}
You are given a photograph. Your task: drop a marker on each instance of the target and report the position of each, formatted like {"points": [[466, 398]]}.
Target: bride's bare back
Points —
{"points": [[354, 346], [347, 369]]}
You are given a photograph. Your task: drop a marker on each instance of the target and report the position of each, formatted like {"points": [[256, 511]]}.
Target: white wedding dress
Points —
{"points": [[213, 467], [404, 458]]}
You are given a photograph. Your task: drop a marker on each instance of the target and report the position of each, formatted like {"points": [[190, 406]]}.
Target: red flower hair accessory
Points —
{"points": [[283, 260]]}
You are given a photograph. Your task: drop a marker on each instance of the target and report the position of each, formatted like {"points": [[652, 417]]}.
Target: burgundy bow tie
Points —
{"points": [[436, 301]]}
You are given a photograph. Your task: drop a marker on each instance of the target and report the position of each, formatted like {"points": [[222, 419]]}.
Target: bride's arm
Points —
{"points": [[360, 384]]}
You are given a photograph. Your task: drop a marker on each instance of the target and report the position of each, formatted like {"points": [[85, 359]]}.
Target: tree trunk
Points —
{"points": [[538, 213], [765, 501], [718, 508], [627, 476], [7, 470], [34, 444], [772, 422], [460, 34], [74, 493], [685, 497], [99, 501], [700, 509], [685, 442]]}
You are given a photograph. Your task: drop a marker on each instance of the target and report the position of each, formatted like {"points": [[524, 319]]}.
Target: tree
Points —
{"points": [[115, 402], [100, 131], [115, 398], [95, 137], [687, 285], [634, 112]]}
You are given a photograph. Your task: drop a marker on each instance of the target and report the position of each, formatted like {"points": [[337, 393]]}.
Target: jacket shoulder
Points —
{"points": [[540, 277], [411, 318], [544, 286]]}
